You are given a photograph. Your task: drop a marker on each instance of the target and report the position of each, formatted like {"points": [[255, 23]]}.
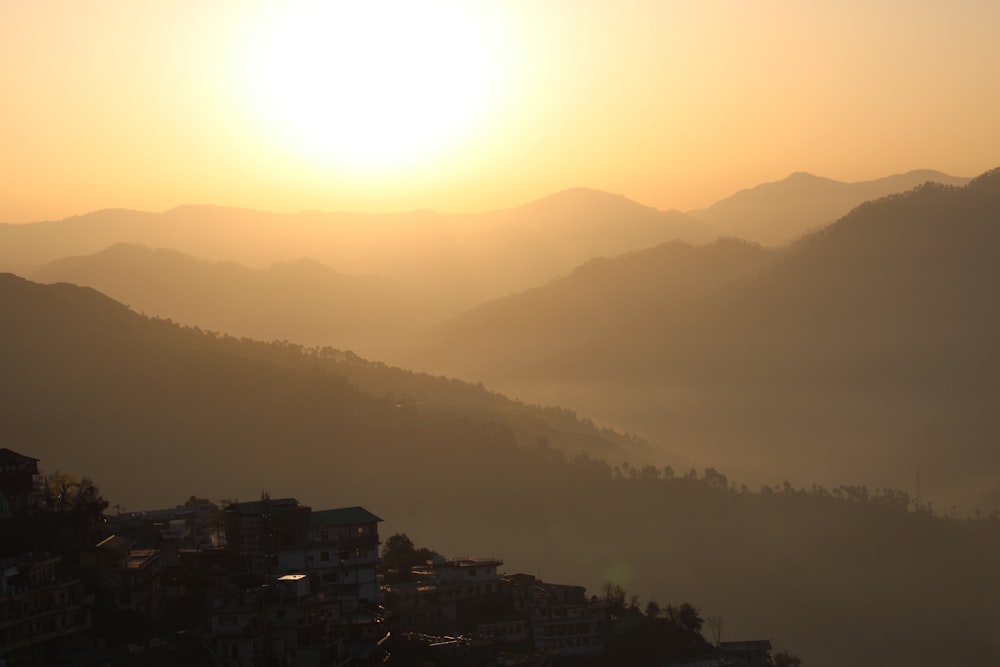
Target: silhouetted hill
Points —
{"points": [[300, 300], [155, 413], [85, 377], [779, 212], [860, 354]]}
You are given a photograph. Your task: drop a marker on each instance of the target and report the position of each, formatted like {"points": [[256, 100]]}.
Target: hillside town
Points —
{"points": [[273, 582]]}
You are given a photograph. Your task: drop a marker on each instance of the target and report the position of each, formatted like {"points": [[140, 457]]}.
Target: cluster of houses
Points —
{"points": [[269, 582]]}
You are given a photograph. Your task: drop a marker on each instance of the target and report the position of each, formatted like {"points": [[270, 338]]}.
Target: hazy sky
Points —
{"points": [[469, 106]]}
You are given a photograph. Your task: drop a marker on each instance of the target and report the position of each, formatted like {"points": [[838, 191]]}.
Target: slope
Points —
{"points": [[520, 336], [92, 384]]}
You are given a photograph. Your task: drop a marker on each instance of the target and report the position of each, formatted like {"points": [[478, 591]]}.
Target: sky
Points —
{"points": [[465, 106]]}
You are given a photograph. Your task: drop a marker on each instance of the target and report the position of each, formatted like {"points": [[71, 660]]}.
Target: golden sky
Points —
{"points": [[469, 106]]}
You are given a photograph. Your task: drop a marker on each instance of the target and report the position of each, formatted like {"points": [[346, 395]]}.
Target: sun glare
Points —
{"points": [[374, 84]]}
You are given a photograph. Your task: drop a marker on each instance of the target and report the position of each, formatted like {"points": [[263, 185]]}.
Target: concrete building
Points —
{"points": [[40, 601], [126, 579], [335, 551], [259, 530]]}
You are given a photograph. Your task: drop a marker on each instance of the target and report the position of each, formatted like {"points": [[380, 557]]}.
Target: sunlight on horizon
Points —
{"points": [[373, 86], [470, 107]]}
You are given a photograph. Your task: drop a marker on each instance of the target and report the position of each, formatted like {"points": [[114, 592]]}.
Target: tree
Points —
{"points": [[689, 618], [615, 597], [715, 626], [63, 491], [652, 609], [400, 555]]}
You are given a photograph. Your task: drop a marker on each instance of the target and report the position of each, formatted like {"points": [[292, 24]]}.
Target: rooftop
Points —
{"points": [[10, 456], [344, 516], [257, 506], [115, 543], [140, 558], [467, 561]]}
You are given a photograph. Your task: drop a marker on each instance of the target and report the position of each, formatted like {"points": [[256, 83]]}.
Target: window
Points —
{"points": [[325, 556]]}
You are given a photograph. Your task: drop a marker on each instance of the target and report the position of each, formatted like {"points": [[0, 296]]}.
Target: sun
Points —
{"points": [[374, 84]]}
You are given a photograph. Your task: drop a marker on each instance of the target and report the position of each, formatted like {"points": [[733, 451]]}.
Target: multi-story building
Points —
{"points": [[340, 552], [336, 552], [260, 530], [516, 612], [446, 595], [40, 601], [126, 579]]}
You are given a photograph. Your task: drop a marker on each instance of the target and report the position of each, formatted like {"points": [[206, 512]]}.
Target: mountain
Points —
{"points": [[458, 260], [300, 300], [863, 353], [155, 413], [519, 334], [779, 212]]}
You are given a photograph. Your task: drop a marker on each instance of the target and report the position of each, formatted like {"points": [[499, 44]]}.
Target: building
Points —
{"points": [[446, 596], [17, 482], [280, 624], [40, 601], [259, 530], [126, 579], [563, 621], [335, 551], [513, 614], [341, 554]]}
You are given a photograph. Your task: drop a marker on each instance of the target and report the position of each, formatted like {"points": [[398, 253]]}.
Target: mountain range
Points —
{"points": [[862, 352], [370, 282]]}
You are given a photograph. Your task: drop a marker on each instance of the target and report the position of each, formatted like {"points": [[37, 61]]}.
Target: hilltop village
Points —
{"points": [[273, 582]]}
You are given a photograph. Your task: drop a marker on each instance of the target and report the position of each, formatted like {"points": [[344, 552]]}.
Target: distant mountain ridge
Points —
{"points": [[301, 299], [494, 253], [779, 212], [447, 263]]}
